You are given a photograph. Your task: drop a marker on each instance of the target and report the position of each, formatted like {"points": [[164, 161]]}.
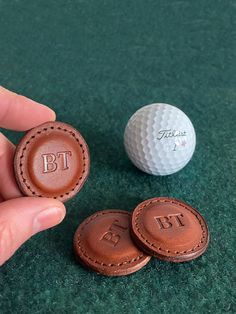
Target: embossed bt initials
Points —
{"points": [[50, 163], [113, 235], [169, 221]]}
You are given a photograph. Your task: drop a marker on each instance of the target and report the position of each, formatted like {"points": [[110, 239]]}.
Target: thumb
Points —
{"points": [[23, 217]]}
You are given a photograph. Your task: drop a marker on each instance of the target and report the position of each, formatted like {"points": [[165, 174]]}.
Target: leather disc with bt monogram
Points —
{"points": [[102, 243], [52, 160], [169, 229]]}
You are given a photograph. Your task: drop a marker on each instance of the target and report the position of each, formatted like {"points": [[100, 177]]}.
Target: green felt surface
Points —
{"points": [[96, 62]]}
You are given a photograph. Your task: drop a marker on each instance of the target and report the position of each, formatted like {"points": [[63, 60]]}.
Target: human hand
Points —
{"points": [[21, 217]]}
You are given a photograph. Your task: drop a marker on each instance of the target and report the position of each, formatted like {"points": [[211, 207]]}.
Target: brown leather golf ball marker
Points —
{"points": [[52, 160], [169, 229], [103, 243]]}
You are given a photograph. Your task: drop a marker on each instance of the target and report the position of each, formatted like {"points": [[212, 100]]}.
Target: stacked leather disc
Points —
{"points": [[115, 242]]}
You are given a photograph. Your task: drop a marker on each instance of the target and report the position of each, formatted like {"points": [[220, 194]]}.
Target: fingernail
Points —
{"points": [[48, 218]]}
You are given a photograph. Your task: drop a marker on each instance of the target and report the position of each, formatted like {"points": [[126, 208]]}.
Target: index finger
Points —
{"points": [[20, 113]]}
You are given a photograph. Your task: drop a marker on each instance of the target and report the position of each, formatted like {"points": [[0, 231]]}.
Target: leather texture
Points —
{"points": [[169, 229], [103, 243], [52, 160]]}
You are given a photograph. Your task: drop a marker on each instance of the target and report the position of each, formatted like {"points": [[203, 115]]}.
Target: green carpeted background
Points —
{"points": [[96, 62]]}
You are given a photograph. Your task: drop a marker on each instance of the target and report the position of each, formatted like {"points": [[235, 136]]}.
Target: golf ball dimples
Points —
{"points": [[159, 139]]}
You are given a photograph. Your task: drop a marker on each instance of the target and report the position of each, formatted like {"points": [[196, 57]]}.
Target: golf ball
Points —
{"points": [[159, 139]]}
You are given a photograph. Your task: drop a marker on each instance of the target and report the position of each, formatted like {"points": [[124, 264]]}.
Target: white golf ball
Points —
{"points": [[159, 139]]}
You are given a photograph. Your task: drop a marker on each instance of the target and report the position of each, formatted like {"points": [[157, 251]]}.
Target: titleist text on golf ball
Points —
{"points": [[159, 139]]}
